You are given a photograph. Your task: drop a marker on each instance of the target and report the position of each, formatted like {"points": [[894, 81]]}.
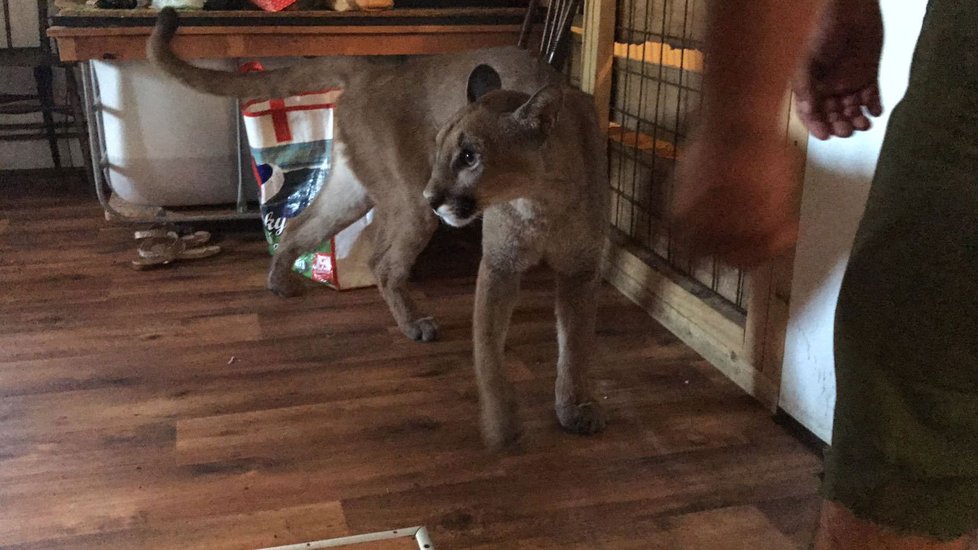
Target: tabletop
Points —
{"points": [[85, 34]]}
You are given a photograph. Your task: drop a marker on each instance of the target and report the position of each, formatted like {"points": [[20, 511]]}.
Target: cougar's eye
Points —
{"points": [[467, 157]]}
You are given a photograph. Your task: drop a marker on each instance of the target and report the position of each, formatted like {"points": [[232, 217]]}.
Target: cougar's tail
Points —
{"points": [[303, 77]]}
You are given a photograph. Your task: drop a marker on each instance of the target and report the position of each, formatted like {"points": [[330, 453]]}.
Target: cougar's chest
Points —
{"points": [[514, 235]]}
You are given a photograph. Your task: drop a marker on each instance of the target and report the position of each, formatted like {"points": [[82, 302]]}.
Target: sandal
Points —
{"points": [[194, 239], [158, 247]]}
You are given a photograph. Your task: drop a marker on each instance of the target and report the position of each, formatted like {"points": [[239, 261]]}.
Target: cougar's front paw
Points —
{"points": [[285, 285], [424, 329], [500, 432], [583, 418]]}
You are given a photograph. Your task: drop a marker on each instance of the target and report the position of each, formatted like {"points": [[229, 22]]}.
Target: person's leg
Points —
{"points": [[902, 471], [904, 456], [840, 529]]}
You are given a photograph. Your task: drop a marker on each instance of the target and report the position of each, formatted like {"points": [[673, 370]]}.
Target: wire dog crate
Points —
{"points": [[643, 62], [656, 83]]}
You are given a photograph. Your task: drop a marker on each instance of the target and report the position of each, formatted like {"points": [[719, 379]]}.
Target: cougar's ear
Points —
{"points": [[539, 114], [482, 80]]}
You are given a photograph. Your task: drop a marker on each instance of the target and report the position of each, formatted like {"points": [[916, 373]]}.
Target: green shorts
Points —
{"points": [[905, 440]]}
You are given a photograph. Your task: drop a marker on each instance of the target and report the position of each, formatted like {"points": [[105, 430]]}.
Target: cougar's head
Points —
{"points": [[490, 152]]}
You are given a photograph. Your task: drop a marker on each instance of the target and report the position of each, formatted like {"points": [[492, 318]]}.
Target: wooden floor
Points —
{"points": [[189, 408]]}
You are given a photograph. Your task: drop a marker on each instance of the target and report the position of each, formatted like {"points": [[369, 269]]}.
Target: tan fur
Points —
{"points": [[386, 124], [541, 183], [540, 180]]}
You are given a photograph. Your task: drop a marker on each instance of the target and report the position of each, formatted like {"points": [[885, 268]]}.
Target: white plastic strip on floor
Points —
{"points": [[419, 534]]}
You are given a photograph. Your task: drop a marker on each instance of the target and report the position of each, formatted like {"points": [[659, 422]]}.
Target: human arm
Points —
{"points": [[735, 189]]}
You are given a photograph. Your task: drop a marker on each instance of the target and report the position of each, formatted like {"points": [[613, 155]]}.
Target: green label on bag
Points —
{"points": [[287, 189]]}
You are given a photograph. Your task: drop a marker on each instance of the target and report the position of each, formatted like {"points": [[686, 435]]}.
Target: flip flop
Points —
{"points": [[158, 248], [196, 238]]}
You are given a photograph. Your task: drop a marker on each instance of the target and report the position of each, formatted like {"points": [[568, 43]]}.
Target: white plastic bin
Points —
{"points": [[168, 145]]}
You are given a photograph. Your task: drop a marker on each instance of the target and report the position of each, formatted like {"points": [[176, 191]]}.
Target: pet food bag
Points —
{"points": [[291, 142]]}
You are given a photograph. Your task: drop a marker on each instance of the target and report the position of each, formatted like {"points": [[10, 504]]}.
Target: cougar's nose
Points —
{"points": [[435, 199]]}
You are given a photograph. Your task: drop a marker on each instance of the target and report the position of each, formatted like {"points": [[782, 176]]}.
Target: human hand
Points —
{"points": [[735, 198], [837, 84]]}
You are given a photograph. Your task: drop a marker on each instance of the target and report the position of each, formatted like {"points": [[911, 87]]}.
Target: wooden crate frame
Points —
{"points": [[749, 351]]}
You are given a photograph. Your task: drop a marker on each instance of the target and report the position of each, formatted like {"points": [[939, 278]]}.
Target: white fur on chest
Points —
{"points": [[527, 209]]}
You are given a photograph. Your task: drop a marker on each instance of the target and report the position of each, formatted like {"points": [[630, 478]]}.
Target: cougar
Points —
{"points": [[535, 168], [434, 136]]}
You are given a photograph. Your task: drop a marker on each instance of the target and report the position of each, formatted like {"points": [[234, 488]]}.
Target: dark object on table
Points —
{"points": [[116, 4], [303, 5], [227, 5]]}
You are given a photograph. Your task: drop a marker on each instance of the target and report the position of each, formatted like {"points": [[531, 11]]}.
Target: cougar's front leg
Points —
{"points": [[495, 296], [576, 308]]}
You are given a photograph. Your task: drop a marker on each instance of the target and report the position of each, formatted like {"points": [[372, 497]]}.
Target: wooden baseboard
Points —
{"points": [[800, 432], [689, 318]]}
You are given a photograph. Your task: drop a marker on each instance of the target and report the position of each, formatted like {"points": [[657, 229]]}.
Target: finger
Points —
{"points": [[804, 106], [831, 104], [819, 128], [851, 100], [815, 124], [801, 86], [871, 99], [861, 123], [852, 111], [854, 114], [842, 128]]}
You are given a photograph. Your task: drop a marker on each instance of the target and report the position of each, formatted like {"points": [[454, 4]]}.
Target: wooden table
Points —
{"points": [[85, 35]]}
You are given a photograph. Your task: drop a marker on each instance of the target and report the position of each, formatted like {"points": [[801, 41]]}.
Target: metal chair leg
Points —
{"points": [[531, 12], [78, 118], [44, 78]]}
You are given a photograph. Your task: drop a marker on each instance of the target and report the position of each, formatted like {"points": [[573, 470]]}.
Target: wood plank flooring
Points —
{"points": [[189, 408]]}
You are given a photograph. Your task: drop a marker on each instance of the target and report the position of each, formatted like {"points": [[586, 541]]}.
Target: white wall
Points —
{"points": [[837, 180]]}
